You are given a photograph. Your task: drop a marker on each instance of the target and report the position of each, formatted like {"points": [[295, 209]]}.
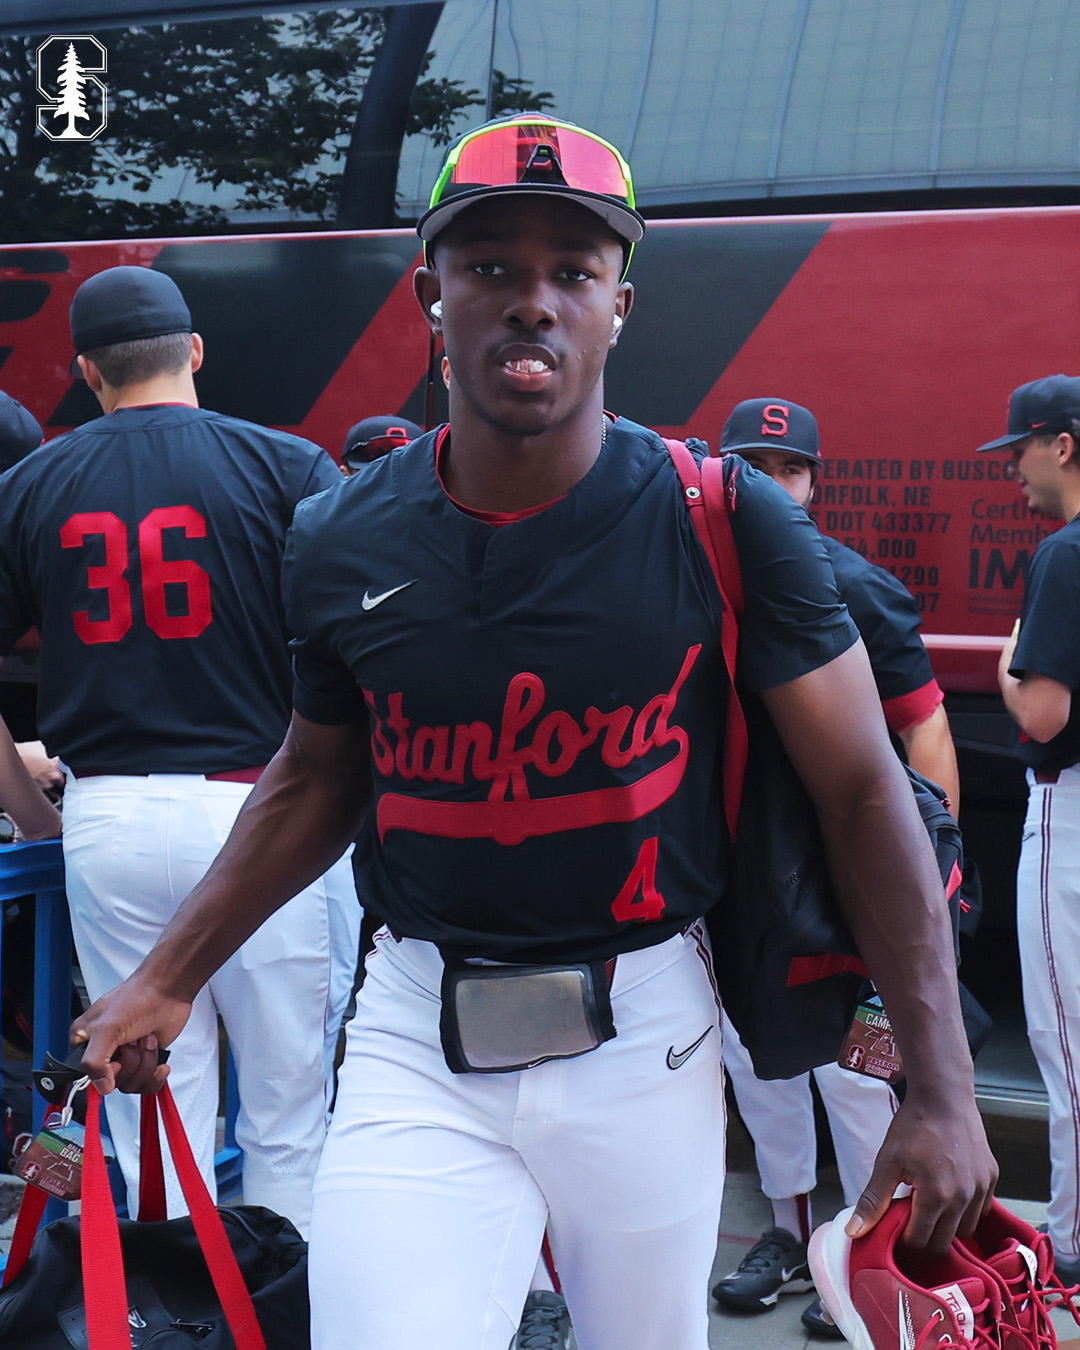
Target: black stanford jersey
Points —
{"points": [[887, 618], [146, 546], [1049, 641], [545, 697]]}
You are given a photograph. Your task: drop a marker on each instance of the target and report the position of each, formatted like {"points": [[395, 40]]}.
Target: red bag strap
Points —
{"points": [[102, 1267], [216, 1249], [151, 1194], [711, 500], [31, 1208], [152, 1207], [104, 1287]]}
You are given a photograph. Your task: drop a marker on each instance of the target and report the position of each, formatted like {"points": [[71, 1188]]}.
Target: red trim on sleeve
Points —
{"points": [[910, 709], [488, 517]]}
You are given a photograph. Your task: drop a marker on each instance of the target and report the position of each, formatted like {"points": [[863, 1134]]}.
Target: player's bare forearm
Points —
{"points": [[887, 881], [21, 797], [1039, 705], [930, 751], [300, 817]]}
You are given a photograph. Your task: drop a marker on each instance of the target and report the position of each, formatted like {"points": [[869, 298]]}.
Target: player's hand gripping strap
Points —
{"points": [[711, 500], [104, 1287]]}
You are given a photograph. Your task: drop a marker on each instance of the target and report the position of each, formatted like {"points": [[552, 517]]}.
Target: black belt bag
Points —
{"points": [[502, 1018]]}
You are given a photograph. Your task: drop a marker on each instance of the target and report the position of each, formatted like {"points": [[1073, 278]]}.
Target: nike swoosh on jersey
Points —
{"points": [[676, 1061], [370, 601]]}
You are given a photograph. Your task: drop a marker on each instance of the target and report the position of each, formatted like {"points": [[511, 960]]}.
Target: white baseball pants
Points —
{"points": [[434, 1188], [779, 1114], [1048, 928], [133, 849]]}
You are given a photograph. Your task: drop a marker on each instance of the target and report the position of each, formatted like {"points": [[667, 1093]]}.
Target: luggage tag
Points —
{"points": [[54, 1160], [870, 1048]]}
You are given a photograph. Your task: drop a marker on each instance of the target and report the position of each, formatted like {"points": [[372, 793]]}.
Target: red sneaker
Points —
{"points": [[885, 1296], [1023, 1259]]}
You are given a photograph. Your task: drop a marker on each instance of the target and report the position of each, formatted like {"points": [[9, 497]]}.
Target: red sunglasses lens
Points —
{"points": [[502, 157]]}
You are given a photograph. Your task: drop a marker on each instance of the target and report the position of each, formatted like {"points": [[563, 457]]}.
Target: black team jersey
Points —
{"points": [[887, 618], [146, 546], [1049, 641], [545, 697]]}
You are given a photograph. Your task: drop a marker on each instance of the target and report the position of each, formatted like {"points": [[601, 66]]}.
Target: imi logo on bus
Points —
{"points": [[67, 75]]}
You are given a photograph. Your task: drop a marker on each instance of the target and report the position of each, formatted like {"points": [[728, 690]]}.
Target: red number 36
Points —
{"points": [[157, 572]]}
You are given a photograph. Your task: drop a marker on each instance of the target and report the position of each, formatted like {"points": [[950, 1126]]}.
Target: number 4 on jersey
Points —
{"points": [[639, 900], [157, 573]]}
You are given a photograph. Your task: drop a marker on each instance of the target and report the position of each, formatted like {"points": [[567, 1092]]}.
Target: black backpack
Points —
{"points": [[789, 973]]}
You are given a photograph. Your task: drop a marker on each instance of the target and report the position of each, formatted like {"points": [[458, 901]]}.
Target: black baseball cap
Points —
{"points": [[772, 424], [377, 436], [20, 432], [1046, 406], [123, 304]]}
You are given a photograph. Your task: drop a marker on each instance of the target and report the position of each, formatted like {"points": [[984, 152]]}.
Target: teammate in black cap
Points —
{"points": [[1039, 675], [374, 437], [146, 546], [507, 671], [780, 438]]}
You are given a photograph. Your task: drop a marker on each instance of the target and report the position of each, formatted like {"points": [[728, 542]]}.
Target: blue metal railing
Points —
{"points": [[37, 870]]}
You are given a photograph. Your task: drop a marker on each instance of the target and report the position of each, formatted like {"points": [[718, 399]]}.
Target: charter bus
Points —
{"points": [[899, 283]]}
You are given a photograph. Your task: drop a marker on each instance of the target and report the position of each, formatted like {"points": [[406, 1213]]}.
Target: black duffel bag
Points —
{"points": [[218, 1279]]}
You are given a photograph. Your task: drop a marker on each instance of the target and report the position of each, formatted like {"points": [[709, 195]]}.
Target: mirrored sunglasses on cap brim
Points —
{"points": [[539, 152], [515, 152]]}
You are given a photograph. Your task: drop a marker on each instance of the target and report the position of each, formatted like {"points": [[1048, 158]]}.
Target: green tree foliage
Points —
{"points": [[262, 107]]}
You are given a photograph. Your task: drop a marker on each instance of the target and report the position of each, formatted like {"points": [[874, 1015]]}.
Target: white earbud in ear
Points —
{"points": [[436, 310], [616, 325]]}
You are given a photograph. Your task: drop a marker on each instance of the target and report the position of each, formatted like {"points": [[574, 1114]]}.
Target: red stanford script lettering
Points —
{"points": [[501, 757]]}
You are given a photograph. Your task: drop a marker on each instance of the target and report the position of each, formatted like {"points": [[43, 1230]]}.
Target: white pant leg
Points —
{"points": [[134, 848], [426, 1224], [275, 996], [860, 1110], [346, 915], [633, 1166], [1048, 927], [779, 1115], [428, 1171], [120, 895]]}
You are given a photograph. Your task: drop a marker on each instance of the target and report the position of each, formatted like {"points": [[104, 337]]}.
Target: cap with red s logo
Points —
{"points": [[771, 424]]}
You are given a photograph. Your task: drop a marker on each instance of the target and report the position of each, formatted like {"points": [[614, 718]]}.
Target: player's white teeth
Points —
{"points": [[524, 367]]}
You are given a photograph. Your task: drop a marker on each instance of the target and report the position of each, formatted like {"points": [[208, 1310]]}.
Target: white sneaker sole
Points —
{"points": [[829, 1257]]}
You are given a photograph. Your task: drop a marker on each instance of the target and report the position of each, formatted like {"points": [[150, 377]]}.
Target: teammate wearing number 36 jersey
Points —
{"points": [[146, 546]]}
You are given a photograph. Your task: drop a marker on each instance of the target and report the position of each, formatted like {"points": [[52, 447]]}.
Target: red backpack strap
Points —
{"points": [[711, 501]]}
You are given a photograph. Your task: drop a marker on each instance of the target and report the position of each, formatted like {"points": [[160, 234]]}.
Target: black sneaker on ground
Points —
{"points": [[545, 1323], [819, 1324], [775, 1264]]}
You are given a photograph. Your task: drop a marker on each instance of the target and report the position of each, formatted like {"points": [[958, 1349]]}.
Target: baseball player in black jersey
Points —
{"points": [[146, 546], [780, 438], [510, 674], [1039, 675]]}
